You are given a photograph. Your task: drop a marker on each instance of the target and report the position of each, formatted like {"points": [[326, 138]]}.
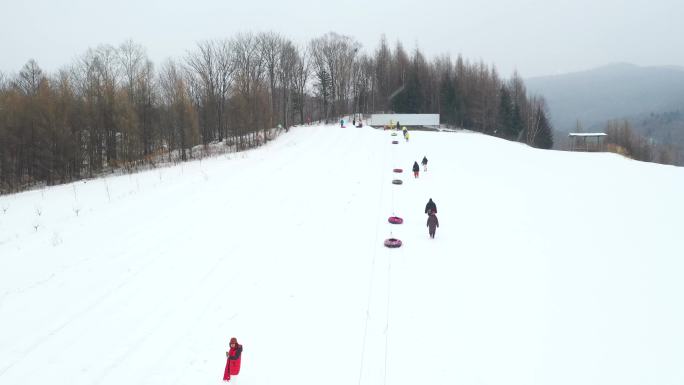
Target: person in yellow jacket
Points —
{"points": [[390, 125]]}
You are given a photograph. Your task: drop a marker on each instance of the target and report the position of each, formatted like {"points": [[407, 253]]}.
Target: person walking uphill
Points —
{"points": [[416, 169], [430, 207], [424, 163], [432, 224], [234, 358]]}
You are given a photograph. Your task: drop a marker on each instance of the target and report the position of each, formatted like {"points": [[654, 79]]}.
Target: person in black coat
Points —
{"points": [[430, 207], [424, 163], [416, 169]]}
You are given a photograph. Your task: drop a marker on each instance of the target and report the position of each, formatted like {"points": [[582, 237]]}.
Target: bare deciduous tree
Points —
{"points": [[300, 79], [333, 57], [271, 45], [249, 73], [113, 108], [289, 58], [180, 120]]}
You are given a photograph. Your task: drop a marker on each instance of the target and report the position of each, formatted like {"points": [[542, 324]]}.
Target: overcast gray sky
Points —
{"points": [[536, 37]]}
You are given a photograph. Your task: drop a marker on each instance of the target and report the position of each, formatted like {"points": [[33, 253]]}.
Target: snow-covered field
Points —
{"points": [[548, 268]]}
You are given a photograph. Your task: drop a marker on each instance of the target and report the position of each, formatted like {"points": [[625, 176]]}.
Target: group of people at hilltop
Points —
{"points": [[355, 123]]}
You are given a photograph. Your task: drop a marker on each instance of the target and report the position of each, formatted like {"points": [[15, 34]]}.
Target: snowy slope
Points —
{"points": [[282, 248]]}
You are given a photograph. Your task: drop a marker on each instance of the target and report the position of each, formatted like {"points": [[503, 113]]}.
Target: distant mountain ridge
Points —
{"points": [[614, 91]]}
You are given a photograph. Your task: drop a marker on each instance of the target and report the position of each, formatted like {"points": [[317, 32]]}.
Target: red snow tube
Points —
{"points": [[398, 170], [392, 243], [395, 220], [397, 181], [395, 142]]}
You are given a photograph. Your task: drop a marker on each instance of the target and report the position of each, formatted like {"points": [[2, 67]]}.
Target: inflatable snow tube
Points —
{"points": [[397, 181], [398, 170], [392, 243], [395, 142], [394, 134], [395, 220]]}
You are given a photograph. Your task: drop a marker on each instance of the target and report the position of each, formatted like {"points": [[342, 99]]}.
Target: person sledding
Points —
{"points": [[432, 223], [430, 207], [234, 356], [424, 163], [416, 169]]}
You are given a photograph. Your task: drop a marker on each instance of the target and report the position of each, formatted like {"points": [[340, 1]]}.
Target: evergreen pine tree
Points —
{"points": [[544, 137], [447, 100], [408, 101], [505, 121], [517, 125]]}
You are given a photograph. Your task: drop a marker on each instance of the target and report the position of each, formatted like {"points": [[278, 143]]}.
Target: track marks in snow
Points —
{"points": [[374, 353]]}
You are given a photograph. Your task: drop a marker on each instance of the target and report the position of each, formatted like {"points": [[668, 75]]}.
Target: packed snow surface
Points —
{"points": [[547, 268]]}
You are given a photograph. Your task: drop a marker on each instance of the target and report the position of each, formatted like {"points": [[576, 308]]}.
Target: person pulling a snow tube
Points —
{"points": [[395, 220], [392, 243], [416, 169], [234, 359]]}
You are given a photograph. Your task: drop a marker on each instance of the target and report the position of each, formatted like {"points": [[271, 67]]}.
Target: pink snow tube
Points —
{"points": [[398, 170], [392, 243], [395, 142], [395, 220], [397, 181]]}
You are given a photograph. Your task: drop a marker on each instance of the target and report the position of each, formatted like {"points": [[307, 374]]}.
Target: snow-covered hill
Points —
{"points": [[142, 279]]}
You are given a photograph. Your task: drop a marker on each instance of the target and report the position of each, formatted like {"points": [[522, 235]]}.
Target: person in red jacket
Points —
{"points": [[234, 357]]}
